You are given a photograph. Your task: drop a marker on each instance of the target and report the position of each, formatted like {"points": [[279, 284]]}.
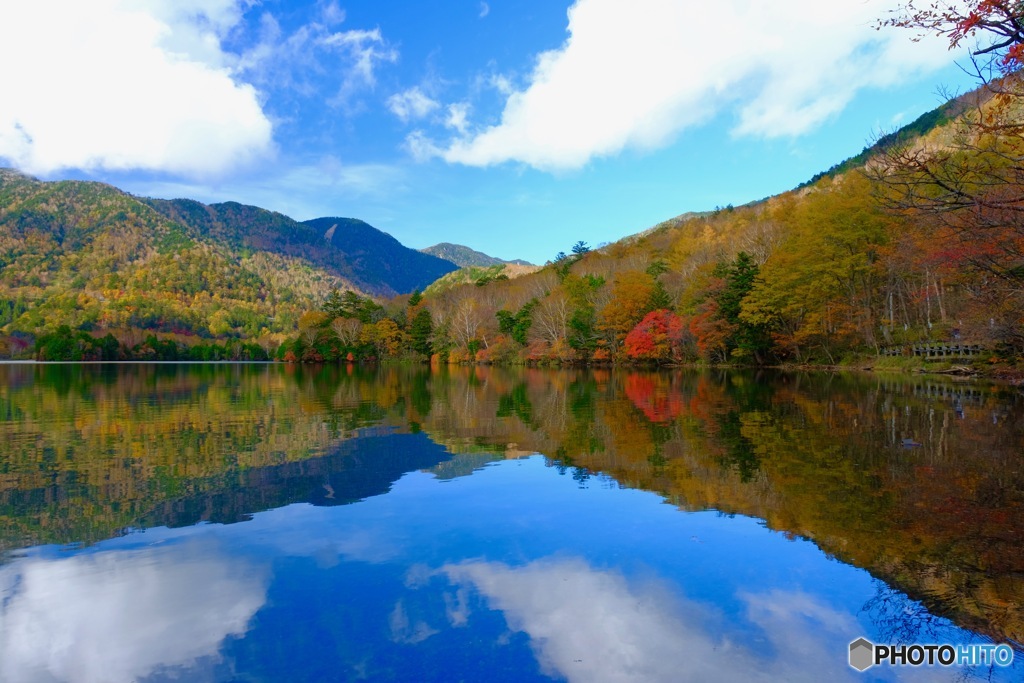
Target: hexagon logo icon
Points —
{"points": [[862, 654]]}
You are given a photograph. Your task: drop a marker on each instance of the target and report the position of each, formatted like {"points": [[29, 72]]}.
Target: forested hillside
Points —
{"points": [[378, 259], [464, 257], [479, 276], [97, 260], [920, 244]]}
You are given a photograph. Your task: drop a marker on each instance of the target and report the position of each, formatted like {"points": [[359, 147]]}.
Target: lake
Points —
{"points": [[282, 523]]}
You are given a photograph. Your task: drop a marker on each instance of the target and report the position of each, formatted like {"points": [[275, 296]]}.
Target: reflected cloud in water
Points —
{"points": [[406, 630], [123, 615], [587, 624]]}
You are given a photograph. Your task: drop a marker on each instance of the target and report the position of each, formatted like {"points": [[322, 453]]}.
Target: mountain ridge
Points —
{"points": [[377, 258], [464, 256], [94, 257]]}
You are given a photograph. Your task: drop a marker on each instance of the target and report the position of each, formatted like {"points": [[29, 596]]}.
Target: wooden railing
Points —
{"points": [[934, 350]]}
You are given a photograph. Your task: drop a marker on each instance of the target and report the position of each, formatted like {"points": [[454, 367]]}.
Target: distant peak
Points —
{"points": [[465, 257]]}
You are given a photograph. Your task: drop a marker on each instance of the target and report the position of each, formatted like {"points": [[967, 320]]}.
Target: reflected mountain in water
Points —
{"points": [[344, 475], [919, 481]]}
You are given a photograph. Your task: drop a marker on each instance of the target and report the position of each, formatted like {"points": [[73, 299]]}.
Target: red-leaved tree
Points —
{"points": [[996, 24], [658, 337]]}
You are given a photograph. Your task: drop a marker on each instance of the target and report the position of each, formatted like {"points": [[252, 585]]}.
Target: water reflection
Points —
{"points": [[123, 615], [587, 624], [376, 591], [918, 481]]}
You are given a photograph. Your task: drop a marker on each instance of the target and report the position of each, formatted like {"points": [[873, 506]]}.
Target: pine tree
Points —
{"points": [[420, 331], [748, 339]]}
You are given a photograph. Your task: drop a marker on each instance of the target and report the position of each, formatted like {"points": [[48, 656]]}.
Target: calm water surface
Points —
{"points": [[270, 523]]}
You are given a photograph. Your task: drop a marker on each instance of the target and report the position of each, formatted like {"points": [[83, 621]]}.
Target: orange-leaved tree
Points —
{"points": [[629, 303]]}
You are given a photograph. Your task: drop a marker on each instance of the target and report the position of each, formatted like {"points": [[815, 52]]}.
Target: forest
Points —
{"points": [[90, 258], [834, 273]]}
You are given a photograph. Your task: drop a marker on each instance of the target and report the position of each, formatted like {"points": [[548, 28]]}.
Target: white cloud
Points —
{"points": [[118, 616], [421, 147], [331, 175], [458, 114], [634, 75], [333, 14], [367, 48], [411, 104], [316, 58], [301, 191], [591, 625], [503, 84], [125, 84]]}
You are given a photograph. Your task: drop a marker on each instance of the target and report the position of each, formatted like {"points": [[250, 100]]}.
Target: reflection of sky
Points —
{"points": [[121, 615], [591, 625], [514, 573]]}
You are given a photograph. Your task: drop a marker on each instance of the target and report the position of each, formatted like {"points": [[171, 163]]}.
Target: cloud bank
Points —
{"points": [[633, 75], [125, 84]]}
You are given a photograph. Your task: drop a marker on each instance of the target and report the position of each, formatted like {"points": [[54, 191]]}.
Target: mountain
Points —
{"points": [[876, 255], [464, 257], [92, 257], [377, 259], [87, 255], [918, 129], [373, 261], [478, 275]]}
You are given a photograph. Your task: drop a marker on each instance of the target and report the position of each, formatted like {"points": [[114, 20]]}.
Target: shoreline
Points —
{"points": [[1002, 374]]}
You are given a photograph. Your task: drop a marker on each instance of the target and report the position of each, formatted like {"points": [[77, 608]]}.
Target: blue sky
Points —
{"points": [[514, 127]]}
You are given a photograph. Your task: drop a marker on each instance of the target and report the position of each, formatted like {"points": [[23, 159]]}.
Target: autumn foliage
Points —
{"points": [[654, 397], [996, 25], [658, 337], [922, 243]]}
